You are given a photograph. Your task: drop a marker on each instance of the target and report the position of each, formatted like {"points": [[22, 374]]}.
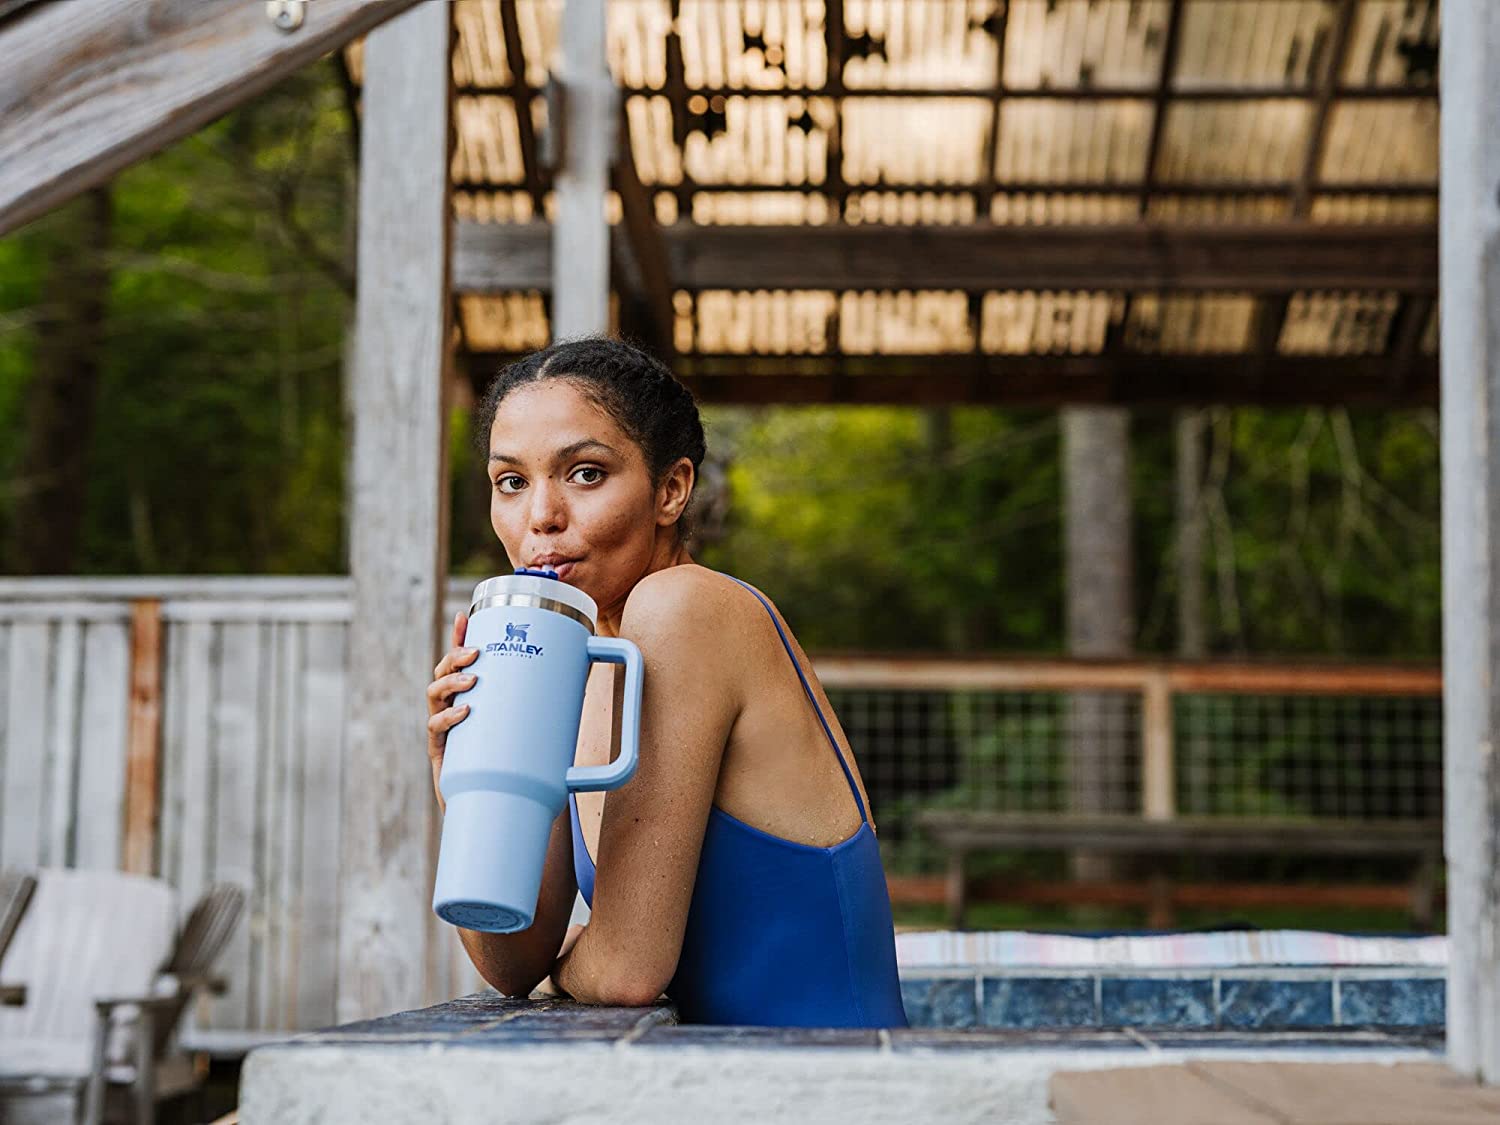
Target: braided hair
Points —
{"points": [[633, 387]]}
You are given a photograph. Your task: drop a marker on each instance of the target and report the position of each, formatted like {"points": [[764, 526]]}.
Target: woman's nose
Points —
{"points": [[547, 507]]}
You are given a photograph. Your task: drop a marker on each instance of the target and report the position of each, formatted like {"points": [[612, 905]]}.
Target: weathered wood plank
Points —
{"points": [[580, 237], [173, 697], [398, 496], [143, 753], [275, 898], [237, 806], [1470, 222], [102, 748], [63, 743], [1272, 257], [194, 756], [21, 808], [91, 86], [318, 780]]}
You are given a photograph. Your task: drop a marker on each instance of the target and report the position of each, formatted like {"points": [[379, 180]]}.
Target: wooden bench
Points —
{"points": [[961, 833]]}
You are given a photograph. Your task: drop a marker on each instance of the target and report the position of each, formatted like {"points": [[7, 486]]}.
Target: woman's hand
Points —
{"points": [[448, 680]]}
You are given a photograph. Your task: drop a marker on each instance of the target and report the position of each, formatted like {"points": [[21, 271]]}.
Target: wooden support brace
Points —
{"points": [[92, 86]]}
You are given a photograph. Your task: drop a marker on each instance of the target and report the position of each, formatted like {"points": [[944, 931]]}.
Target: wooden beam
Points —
{"points": [[143, 754], [1276, 257], [833, 162], [1159, 103], [1205, 93], [580, 238], [398, 496], [1406, 338], [522, 95], [872, 672], [934, 890], [92, 86], [1001, 17], [1343, 23], [643, 237], [1049, 380], [1195, 189], [1470, 222]]}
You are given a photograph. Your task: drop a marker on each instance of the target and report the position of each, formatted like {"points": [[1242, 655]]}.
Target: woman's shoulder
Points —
{"points": [[689, 600]]}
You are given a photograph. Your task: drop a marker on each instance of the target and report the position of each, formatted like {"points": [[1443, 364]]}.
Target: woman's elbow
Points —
{"points": [[630, 992], [630, 985], [514, 984]]}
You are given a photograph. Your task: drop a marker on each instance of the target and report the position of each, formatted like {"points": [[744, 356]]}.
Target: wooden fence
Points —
{"points": [[192, 728]]}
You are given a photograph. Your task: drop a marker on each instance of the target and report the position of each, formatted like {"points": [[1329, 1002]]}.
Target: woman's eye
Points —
{"points": [[598, 474], [503, 481]]}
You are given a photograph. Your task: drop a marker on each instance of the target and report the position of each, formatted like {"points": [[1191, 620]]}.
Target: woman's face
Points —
{"points": [[571, 490]]}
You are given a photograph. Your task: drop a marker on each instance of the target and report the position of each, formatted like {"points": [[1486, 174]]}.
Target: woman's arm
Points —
{"points": [[652, 831]]}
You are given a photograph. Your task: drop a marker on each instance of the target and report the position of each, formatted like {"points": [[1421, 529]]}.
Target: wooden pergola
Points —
{"points": [[914, 201]]}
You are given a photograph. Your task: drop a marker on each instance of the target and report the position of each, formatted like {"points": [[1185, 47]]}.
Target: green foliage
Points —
{"points": [[871, 531], [218, 438]]}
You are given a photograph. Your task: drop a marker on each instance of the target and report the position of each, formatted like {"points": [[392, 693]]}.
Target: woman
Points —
{"points": [[738, 872]]}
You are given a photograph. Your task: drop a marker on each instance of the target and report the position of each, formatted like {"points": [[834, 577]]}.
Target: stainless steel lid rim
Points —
{"points": [[550, 592], [532, 601]]}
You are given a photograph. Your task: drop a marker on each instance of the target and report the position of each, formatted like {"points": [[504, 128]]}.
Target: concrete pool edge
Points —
{"points": [[482, 1057]]}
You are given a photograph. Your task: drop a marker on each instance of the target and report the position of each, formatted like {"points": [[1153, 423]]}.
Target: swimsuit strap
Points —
{"points": [[843, 765]]}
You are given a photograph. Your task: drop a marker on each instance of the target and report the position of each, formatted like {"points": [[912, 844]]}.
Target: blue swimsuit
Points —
{"points": [[779, 933]]}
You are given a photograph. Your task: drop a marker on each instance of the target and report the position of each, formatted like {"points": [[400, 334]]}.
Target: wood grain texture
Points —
{"points": [[92, 86], [143, 754], [398, 498], [1275, 257], [1470, 223], [104, 732], [581, 237]]}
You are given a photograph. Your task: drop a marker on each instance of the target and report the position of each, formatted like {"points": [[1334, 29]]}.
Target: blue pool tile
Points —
{"points": [[940, 1002], [1156, 1002], [1039, 1002], [1393, 1002], [1273, 1004]]}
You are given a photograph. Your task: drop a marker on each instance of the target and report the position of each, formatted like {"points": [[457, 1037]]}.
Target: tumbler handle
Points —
{"points": [[591, 779]]}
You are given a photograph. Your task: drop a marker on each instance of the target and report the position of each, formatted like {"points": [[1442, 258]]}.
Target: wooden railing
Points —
{"points": [[1154, 682]]}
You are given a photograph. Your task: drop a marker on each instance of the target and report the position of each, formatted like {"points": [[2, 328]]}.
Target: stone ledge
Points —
{"points": [[552, 1060]]}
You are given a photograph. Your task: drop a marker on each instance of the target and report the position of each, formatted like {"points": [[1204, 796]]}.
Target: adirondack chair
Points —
{"points": [[109, 978], [16, 888]]}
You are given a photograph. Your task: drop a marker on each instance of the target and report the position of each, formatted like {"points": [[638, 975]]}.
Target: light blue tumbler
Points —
{"points": [[508, 766]]}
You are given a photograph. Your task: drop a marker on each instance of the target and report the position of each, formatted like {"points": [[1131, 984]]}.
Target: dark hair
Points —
{"points": [[633, 387]]}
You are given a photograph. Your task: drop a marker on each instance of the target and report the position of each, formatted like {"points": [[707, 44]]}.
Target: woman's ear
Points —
{"points": [[675, 490]]}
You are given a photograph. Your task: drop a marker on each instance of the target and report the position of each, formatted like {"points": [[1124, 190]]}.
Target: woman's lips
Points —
{"points": [[563, 570]]}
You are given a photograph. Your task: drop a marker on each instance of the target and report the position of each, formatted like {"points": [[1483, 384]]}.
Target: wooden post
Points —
{"points": [[1469, 222], [580, 238], [1099, 608], [1158, 772], [399, 498], [143, 749]]}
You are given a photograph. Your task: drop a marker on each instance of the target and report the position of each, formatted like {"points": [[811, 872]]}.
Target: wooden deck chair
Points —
{"points": [[109, 976], [153, 1069], [16, 888], [86, 934]]}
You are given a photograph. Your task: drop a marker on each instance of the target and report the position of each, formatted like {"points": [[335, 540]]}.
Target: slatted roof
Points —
{"points": [[811, 168]]}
